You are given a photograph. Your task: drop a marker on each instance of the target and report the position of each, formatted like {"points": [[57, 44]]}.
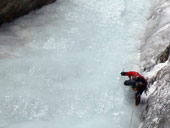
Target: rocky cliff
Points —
{"points": [[155, 64], [11, 9]]}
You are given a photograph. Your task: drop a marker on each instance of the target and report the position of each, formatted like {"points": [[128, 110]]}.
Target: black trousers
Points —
{"points": [[139, 91], [130, 83]]}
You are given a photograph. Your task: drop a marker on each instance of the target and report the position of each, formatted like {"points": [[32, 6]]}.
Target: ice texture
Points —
{"points": [[60, 66], [155, 63]]}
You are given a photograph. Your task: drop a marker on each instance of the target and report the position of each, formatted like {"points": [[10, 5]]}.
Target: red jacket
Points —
{"points": [[135, 74]]}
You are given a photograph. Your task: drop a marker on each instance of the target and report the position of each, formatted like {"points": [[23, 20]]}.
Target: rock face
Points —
{"points": [[155, 63], [11, 9]]}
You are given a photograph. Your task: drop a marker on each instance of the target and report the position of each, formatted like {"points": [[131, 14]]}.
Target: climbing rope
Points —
{"points": [[130, 123]]}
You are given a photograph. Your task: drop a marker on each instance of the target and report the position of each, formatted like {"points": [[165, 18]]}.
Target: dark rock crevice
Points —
{"points": [[11, 9], [163, 57]]}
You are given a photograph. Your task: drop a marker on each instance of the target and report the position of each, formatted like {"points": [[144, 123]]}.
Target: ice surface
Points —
{"points": [[60, 65], [155, 46]]}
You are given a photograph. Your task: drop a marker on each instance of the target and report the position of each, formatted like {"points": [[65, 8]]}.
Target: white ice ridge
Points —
{"points": [[151, 74]]}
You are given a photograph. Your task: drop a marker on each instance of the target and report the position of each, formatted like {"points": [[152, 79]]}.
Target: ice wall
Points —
{"points": [[155, 63], [61, 65]]}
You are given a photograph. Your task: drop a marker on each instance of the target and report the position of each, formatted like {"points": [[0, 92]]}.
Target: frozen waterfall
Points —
{"points": [[60, 65]]}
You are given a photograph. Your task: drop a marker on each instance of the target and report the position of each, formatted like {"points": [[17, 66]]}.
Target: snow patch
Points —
{"points": [[155, 70], [149, 92], [150, 75]]}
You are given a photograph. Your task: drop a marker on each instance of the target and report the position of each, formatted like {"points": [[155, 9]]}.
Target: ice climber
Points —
{"points": [[138, 83]]}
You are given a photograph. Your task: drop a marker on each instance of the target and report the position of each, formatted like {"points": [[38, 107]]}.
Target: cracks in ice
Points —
{"points": [[158, 9]]}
